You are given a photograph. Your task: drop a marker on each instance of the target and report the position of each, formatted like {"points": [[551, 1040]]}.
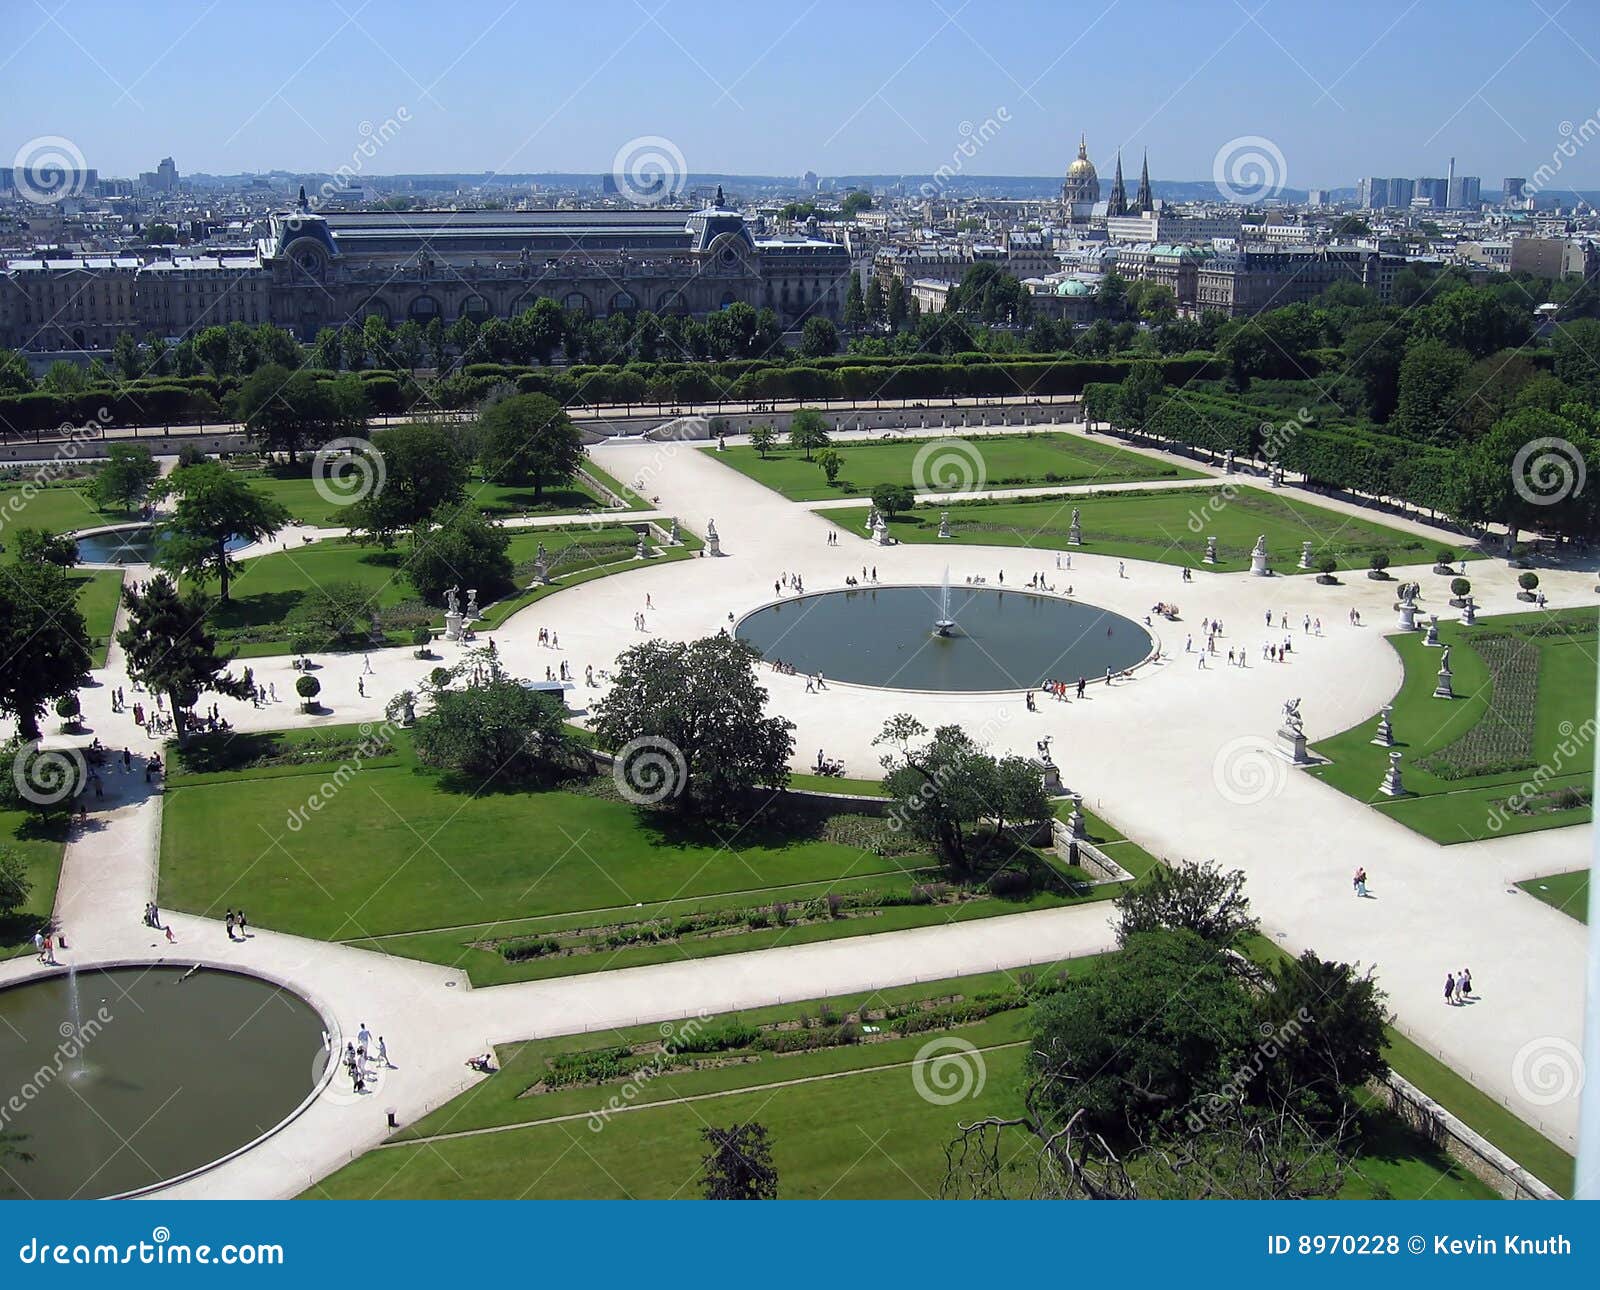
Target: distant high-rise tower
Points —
{"points": [[1117, 203], [1512, 190], [1142, 200]]}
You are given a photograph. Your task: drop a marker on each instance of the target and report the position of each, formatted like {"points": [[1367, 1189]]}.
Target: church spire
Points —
{"points": [[1142, 201], [1118, 203]]}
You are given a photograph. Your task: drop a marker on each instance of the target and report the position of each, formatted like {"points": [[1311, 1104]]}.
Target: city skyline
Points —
{"points": [[898, 89]]}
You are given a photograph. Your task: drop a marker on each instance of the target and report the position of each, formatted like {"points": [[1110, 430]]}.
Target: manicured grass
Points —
{"points": [[98, 595], [41, 848], [56, 508], [848, 1122], [1167, 526], [267, 589], [296, 489], [971, 464], [1476, 806], [1522, 1142], [1568, 892]]}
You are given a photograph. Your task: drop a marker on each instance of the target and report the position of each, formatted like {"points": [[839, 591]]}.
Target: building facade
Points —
{"points": [[314, 270]]}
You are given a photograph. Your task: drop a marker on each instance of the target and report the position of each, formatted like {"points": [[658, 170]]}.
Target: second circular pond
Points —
{"points": [[999, 640]]}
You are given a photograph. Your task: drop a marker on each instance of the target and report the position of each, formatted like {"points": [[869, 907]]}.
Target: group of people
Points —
{"points": [[549, 638], [790, 582], [359, 1053], [44, 945], [1458, 987], [236, 922], [1058, 689], [827, 766]]}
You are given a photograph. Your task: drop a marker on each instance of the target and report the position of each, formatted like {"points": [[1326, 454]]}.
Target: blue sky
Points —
{"points": [[876, 85]]}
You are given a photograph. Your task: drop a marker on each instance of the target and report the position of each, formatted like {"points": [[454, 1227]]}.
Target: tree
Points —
{"points": [[855, 307], [1133, 1044], [424, 470], [286, 411], [946, 784], [1373, 352], [15, 378], [528, 439], [325, 349], [892, 499], [1199, 898], [15, 883], [408, 345], [336, 612], [1326, 1022], [126, 358], [38, 546], [213, 507], [697, 710], [763, 438], [460, 547], [308, 687], [808, 431], [819, 338], [1523, 473], [854, 203], [43, 642], [170, 652], [1430, 375], [214, 349], [738, 1164], [124, 482], [498, 734], [1141, 389], [831, 462]]}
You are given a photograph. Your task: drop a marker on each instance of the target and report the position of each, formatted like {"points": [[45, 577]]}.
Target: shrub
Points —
{"points": [[1459, 587], [1444, 555], [68, 708], [308, 687], [1327, 565], [1528, 581], [1379, 561]]}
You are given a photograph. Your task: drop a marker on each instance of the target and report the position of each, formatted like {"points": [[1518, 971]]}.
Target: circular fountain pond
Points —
{"points": [[129, 544], [121, 1078], [933, 638]]}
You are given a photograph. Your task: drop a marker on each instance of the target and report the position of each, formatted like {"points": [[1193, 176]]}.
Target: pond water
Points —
{"points": [[128, 1076], [997, 639]]}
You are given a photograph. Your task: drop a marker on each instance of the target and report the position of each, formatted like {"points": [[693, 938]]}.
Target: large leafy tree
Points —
{"points": [[1430, 375], [126, 479], [529, 440], [169, 650], [44, 644], [808, 431], [1326, 1023], [1199, 898], [738, 1163], [1132, 1044], [498, 734], [212, 506], [698, 705], [945, 784], [290, 411], [464, 548], [1526, 471], [424, 469]]}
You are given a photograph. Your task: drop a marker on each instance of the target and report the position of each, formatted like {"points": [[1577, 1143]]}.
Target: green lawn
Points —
{"points": [[1483, 765], [297, 491], [267, 588], [1169, 526], [848, 1121], [57, 508], [396, 862], [1568, 892], [98, 594], [41, 847], [982, 461]]}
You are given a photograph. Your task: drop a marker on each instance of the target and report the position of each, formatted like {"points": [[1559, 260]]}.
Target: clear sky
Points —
{"points": [[1340, 89]]}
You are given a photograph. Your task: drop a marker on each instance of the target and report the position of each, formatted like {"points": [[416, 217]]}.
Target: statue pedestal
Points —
{"points": [[1258, 564], [1050, 776], [1445, 688], [1075, 536], [1292, 746], [1391, 786], [1408, 618], [452, 626], [713, 545]]}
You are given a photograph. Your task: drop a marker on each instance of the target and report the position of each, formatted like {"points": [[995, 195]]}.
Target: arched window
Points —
{"points": [[424, 309], [624, 303], [577, 300], [475, 308]]}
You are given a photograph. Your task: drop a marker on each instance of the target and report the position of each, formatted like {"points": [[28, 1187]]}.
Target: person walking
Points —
{"points": [[1464, 983], [1450, 988], [383, 1054], [38, 945], [229, 923], [1361, 881], [238, 919]]}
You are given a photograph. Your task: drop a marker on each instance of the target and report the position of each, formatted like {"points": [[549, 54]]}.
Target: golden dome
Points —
{"points": [[1082, 168]]}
